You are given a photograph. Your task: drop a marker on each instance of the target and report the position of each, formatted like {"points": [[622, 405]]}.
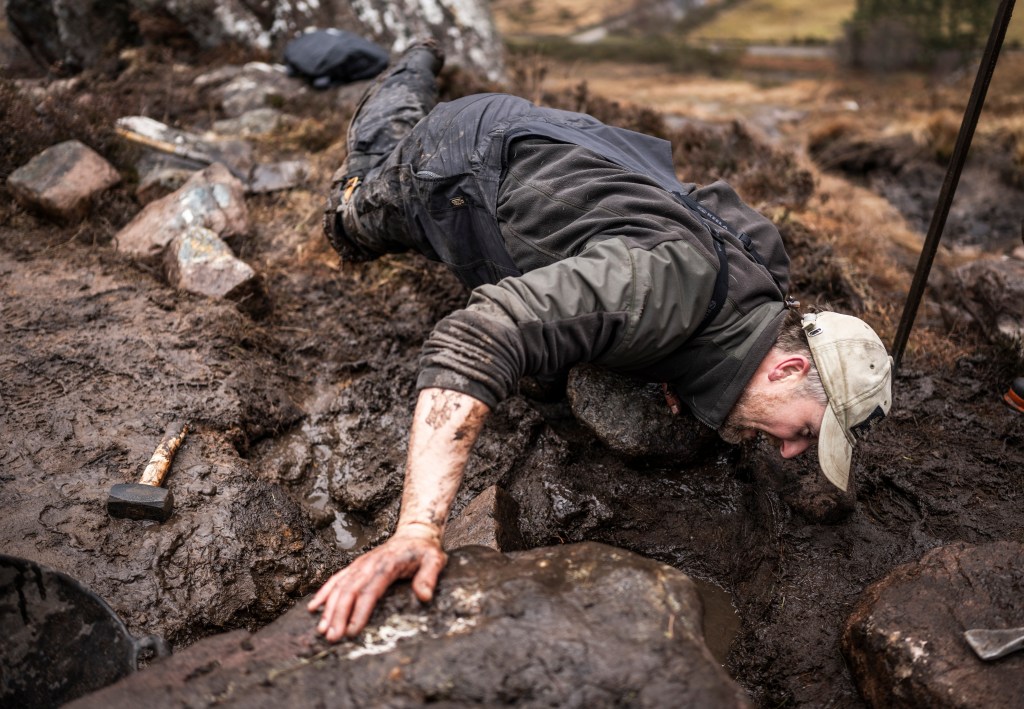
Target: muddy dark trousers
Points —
{"points": [[364, 217]]}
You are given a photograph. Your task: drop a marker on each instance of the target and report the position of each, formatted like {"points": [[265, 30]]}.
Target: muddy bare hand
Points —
{"points": [[445, 426], [349, 597]]}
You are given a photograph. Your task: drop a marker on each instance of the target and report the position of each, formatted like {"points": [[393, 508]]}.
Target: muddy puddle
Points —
{"points": [[721, 619], [349, 533]]}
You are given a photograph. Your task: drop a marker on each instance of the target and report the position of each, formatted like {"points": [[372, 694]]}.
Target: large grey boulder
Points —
{"points": [[464, 28], [581, 625], [905, 640], [69, 35], [63, 180]]}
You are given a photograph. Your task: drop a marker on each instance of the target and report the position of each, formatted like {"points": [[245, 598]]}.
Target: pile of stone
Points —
{"points": [[186, 228]]}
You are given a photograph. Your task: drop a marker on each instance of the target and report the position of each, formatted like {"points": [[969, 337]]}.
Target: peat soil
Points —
{"points": [[300, 419]]}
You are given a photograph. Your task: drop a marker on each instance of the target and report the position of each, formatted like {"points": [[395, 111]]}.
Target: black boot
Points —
{"points": [[423, 55], [392, 105]]}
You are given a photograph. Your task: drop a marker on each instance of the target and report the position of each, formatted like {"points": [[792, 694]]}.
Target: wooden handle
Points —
{"points": [[163, 456], [165, 146]]}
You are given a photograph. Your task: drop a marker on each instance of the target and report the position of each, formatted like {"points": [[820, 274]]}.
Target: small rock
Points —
{"points": [[257, 86], [218, 76], [198, 261], [212, 198], [63, 180], [988, 292], [290, 584], [277, 176], [320, 518], [491, 519], [162, 181], [42, 90], [905, 639], [258, 121], [632, 418], [204, 488]]}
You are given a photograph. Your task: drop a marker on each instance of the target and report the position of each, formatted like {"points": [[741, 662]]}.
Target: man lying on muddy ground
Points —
{"points": [[581, 246]]}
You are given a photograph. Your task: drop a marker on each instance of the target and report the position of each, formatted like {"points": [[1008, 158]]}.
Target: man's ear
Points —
{"points": [[789, 365]]}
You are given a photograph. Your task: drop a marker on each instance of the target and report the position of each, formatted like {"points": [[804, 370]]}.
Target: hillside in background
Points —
{"points": [[744, 21]]}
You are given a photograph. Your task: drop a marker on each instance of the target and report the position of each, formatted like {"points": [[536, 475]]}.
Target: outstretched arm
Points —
{"points": [[445, 427]]}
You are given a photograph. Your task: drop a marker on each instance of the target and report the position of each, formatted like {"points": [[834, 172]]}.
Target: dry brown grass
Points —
{"points": [[939, 133], [556, 17], [876, 252], [29, 125]]}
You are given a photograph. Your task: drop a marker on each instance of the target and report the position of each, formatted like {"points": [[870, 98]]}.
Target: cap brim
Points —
{"points": [[834, 450]]}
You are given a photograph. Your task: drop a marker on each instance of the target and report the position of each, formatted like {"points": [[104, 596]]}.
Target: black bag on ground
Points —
{"points": [[333, 56]]}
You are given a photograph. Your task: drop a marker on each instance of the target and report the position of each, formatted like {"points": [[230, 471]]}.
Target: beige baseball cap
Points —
{"points": [[856, 372]]}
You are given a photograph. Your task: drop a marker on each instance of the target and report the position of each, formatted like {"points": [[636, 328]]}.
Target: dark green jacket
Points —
{"points": [[613, 269]]}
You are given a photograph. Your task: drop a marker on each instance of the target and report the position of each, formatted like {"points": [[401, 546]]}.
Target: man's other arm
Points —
{"points": [[445, 426]]}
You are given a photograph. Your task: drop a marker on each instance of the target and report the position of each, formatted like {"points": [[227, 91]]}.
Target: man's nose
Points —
{"points": [[791, 449]]}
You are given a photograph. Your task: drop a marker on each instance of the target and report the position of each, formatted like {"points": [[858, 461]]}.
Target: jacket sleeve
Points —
{"points": [[619, 306]]}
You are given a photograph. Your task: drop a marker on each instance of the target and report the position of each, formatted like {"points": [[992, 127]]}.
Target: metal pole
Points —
{"points": [[956, 165]]}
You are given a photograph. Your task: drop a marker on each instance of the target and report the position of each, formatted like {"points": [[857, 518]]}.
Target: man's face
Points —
{"points": [[790, 419]]}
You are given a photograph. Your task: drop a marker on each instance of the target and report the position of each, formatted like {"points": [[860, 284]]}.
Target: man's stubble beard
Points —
{"points": [[734, 427], [751, 407]]}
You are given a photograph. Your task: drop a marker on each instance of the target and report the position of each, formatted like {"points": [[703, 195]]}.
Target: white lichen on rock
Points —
{"points": [[385, 637]]}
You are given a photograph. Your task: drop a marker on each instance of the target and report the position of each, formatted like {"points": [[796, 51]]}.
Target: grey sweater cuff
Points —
{"points": [[473, 353], [441, 378]]}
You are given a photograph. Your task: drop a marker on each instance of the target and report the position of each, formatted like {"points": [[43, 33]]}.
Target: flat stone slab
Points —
{"points": [[581, 625], [62, 181], [212, 198], [905, 640]]}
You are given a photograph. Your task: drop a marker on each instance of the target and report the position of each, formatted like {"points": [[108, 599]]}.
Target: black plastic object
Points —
{"points": [[333, 56], [60, 640]]}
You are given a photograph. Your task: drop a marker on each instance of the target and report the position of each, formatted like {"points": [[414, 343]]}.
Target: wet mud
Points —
{"points": [[299, 421]]}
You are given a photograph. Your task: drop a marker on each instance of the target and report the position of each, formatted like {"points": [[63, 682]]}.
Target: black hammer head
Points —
{"points": [[137, 501]]}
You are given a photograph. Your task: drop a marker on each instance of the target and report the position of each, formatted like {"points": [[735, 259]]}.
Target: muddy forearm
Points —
{"points": [[445, 427]]}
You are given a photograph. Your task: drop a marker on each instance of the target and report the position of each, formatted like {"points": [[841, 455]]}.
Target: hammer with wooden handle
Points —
{"points": [[146, 499]]}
